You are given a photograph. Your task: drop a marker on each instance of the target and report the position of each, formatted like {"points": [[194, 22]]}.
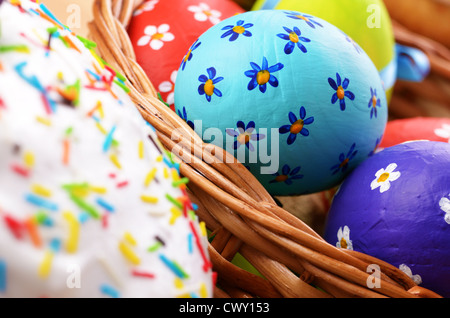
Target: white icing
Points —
{"points": [[26, 128]]}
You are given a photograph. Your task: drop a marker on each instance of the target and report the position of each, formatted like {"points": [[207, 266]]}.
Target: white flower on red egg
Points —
{"points": [[202, 12], [344, 240], [384, 177], [443, 132], [156, 36], [168, 87]]}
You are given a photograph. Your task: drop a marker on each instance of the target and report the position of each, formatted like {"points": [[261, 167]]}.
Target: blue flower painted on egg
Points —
{"points": [[183, 115], [261, 75], [287, 175], [341, 90], [297, 126], [244, 135], [235, 30], [344, 160], [294, 38], [189, 55], [374, 102], [208, 86], [309, 19]]}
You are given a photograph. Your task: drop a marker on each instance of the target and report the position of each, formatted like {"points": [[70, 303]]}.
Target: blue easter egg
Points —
{"points": [[297, 103], [395, 206]]}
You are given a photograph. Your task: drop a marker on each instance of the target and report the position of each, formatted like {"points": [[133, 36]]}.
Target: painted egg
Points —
{"points": [[417, 128], [366, 22], [395, 206], [162, 31], [292, 99]]}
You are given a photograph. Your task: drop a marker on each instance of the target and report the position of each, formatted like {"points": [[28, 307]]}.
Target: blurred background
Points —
{"points": [[75, 14]]}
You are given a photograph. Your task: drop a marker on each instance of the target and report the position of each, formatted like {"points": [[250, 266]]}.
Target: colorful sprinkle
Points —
{"points": [[178, 283], [176, 202], [109, 207], [42, 218], [202, 226], [206, 263], [15, 226], [149, 199], [180, 182], [174, 267], [98, 106], [122, 184], [166, 173], [24, 172], [175, 214], [45, 121], [99, 190], [109, 139], [150, 176], [41, 202], [83, 205], [190, 245], [3, 275], [55, 245], [46, 264], [66, 152], [87, 43], [32, 229], [142, 274], [14, 48], [128, 237], [109, 291], [141, 149], [154, 247], [29, 159], [115, 161], [41, 191], [203, 291], [128, 253], [74, 232]]}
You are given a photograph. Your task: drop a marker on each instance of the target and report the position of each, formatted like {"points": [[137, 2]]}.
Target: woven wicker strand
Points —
{"points": [[291, 258]]}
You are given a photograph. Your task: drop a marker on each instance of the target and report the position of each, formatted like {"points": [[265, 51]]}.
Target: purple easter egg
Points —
{"points": [[395, 206]]}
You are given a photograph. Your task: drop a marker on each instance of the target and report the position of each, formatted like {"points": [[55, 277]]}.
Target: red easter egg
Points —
{"points": [[416, 128], [163, 31]]}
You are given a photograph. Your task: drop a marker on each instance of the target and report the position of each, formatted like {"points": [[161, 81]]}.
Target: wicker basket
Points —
{"points": [[293, 260]]}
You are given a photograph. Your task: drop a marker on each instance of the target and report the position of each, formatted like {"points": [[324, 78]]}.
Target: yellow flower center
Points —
{"points": [[344, 162], [187, 55], [374, 102], [262, 77], [209, 87], [383, 177], [281, 178], [239, 29], [207, 13], [343, 243], [340, 92], [297, 127], [243, 138], [293, 37], [302, 17], [157, 36]]}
